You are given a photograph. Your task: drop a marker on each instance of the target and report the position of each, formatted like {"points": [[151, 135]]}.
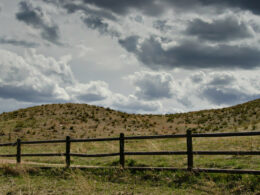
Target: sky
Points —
{"points": [[148, 56]]}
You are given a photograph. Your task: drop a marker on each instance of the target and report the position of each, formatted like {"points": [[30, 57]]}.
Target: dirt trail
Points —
{"points": [[38, 164], [9, 161]]}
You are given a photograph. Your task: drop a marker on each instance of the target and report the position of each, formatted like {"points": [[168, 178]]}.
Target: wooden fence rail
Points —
{"points": [[189, 152]]}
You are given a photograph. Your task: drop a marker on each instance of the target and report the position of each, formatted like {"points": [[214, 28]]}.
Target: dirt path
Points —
{"points": [[9, 161], [38, 164]]}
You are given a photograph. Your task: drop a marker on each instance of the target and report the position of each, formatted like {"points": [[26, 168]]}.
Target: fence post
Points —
{"points": [[189, 150], [18, 154], [68, 151], [122, 150]]}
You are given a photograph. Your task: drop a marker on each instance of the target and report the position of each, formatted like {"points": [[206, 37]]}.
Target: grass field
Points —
{"points": [[84, 121], [250, 143], [22, 180]]}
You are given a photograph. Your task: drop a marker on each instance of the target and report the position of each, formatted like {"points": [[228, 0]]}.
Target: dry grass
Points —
{"points": [[60, 181], [82, 120]]}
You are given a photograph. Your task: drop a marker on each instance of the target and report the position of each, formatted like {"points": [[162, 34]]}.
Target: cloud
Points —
{"points": [[155, 8], [73, 7], [193, 54], [134, 105], [162, 25], [226, 29], [36, 78], [89, 92], [224, 88], [152, 85], [8, 105], [197, 77], [93, 18], [15, 42], [36, 18], [33, 78], [149, 7], [129, 43], [220, 5], [97, 23], [160, 86]]}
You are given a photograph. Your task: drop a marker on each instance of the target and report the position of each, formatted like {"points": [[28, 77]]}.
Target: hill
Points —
{"points": [[82, 120]]}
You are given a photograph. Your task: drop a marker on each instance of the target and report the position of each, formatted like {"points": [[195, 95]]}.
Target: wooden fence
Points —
{"points": [[189, 152]]}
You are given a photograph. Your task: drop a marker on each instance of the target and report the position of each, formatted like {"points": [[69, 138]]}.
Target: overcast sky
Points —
{"points": [[146, 56]]}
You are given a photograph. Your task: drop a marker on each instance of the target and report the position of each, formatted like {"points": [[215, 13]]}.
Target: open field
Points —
{"points": [[250, 143], [84, 121], [22, 180]]}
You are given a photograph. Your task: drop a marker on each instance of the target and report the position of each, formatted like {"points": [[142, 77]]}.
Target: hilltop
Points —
{"points": [[82, 120]]}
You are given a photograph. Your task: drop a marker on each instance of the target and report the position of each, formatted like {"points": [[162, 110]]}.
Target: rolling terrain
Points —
{"points": [[82, 120]]}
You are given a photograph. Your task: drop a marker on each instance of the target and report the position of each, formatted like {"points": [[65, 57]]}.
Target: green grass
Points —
{"points": [[200, 161], [84, 121], [22, 180]]}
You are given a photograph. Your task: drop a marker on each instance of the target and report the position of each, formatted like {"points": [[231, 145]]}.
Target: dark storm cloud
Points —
{"points": [[152, 86], [222, 80], [91, 97], [192, 54], [219, 30], [95, 19], [4, 40], [156, 7], [130, 43], [224, 88], [220, 96], [72, 8], [97, 23], [250, 5], [35, 18], [27, 94], [161, 25], [122, 7]]}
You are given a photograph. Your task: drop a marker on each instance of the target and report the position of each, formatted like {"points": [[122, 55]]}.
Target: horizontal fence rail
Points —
{"points": [[43, 142], [189, 151], [8, 144], [236, 134]]}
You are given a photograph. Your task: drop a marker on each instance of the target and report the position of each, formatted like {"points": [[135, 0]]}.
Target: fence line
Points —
{"points": [[189, 152]]}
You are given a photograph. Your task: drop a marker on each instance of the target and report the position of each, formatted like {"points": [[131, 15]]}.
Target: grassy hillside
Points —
{"points": [[82, 120], [33, 181]]}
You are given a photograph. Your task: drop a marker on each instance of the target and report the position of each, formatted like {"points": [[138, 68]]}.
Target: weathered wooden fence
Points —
{"points": [[189, 152]]}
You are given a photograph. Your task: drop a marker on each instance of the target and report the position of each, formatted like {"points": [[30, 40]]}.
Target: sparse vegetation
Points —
{"points": [[25, 180], [85, 121], [77, 119]]}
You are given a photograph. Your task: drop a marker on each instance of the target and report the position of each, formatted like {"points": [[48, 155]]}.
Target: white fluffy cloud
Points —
{"points": [[209, 89], [134, 105], [35, 78], [174, 58], [152, 85], [223, 88], [92, 91]]}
